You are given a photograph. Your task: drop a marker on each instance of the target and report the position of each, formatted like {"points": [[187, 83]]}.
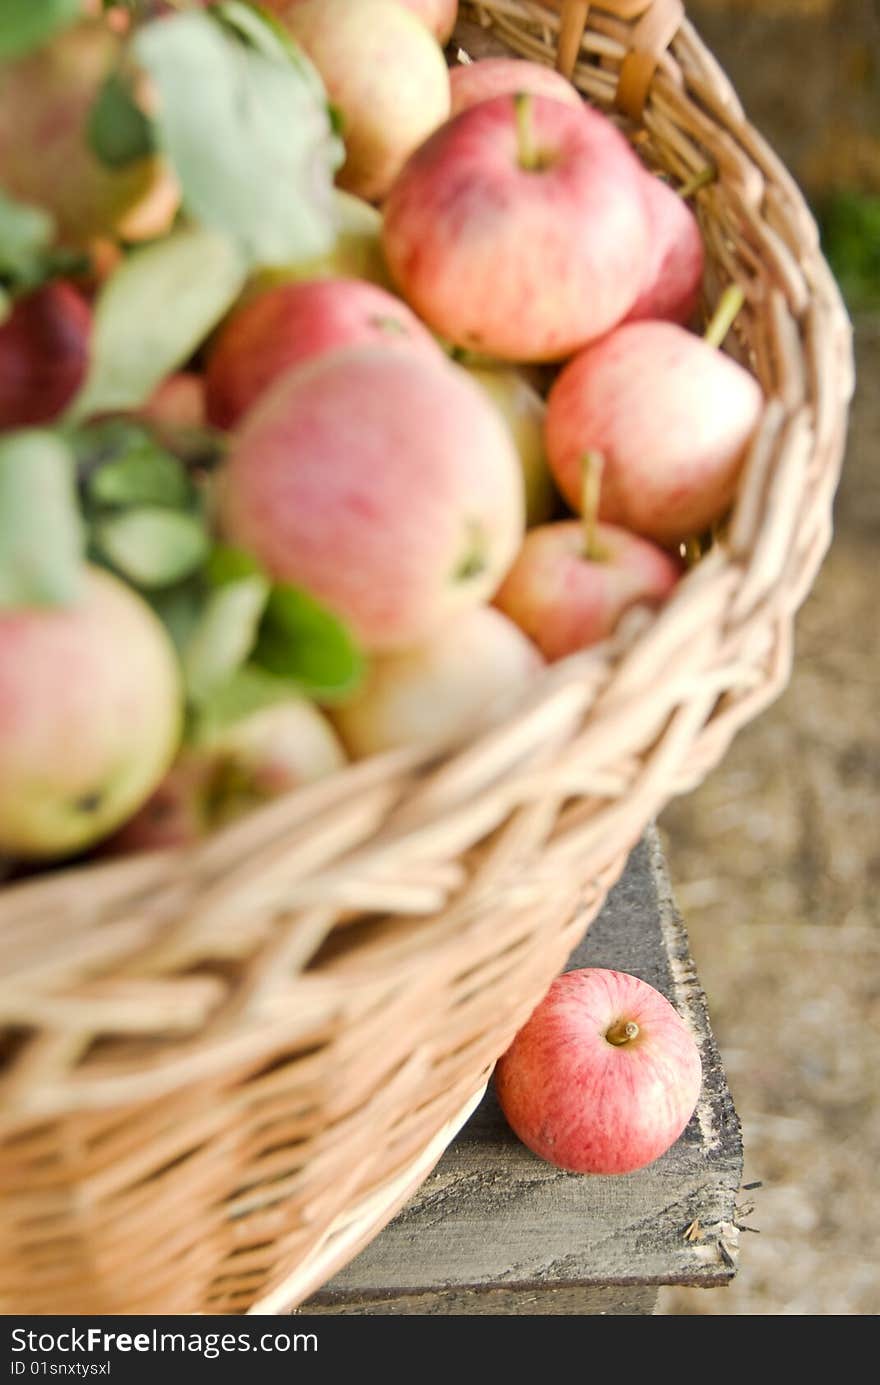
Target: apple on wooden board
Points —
{"points": [[44, 354], [603, 1077], [386, 75], [670, 415], [471, 83], [468, 674], [671, 286], [398, 519], [294, 323], [255, 759], [519, 228], [90, 717]]}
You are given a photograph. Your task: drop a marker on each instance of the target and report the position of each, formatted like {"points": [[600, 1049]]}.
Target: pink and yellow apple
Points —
{"points": [[672, 418], [386, 75], [294, 323], [469, 674], [45, 155], [566, 599], [519, 228], [90, 718], [397, 517]]}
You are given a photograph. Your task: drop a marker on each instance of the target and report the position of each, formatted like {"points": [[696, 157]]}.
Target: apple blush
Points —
{"points": [[399, 518], [672, 418], [519, 229], [297, 322], [603, 1077]]}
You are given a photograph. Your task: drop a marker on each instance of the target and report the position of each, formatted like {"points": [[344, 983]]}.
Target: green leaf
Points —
{"points": [[305, 644], [41, 539], [118, 131], [152, 547], [25, 24], [248, 690], [153, 312], [247, 130], [225, 635], [25, 237], [144, 475], [227, 564], [179, 608]]}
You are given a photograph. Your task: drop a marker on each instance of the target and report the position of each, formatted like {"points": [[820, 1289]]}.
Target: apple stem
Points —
{"points": [[622, 1032], [592, 466], [529, 158], [702, 179], [724, 315]]}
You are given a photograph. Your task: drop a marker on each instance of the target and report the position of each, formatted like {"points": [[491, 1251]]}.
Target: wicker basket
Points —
{"points": [[223, 1070]]}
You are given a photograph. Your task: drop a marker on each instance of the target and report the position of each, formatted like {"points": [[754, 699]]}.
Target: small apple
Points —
{"points": [[471, 83], [398, 518], [603, 1077], [90, 718], [356, 254], [524, 411], [386, 75], [467, 674], [519, 228], [566, 596], [265, 754], [294, 323], [44, 354], [672, 417], [671, 286]]}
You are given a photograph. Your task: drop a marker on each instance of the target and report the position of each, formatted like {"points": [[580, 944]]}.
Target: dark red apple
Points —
{"points": [[603, 1077], [44, 352]]}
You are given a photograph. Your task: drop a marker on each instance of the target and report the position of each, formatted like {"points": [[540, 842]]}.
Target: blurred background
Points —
{"points": [[776, 858]]}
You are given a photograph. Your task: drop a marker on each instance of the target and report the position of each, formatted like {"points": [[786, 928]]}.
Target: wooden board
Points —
{"points": [[496, 1230]]}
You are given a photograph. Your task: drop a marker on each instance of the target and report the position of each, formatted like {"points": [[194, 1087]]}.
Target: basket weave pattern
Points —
{"points": [[215, 1065]]}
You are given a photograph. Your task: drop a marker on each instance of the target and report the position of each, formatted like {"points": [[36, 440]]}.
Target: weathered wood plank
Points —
{"points": [[493, 1220]]}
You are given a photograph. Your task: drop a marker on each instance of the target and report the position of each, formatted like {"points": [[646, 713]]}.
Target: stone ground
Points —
{"points": [[776, 858]]}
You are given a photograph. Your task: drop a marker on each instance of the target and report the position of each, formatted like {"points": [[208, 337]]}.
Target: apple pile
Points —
{"points": [[339, 393]]}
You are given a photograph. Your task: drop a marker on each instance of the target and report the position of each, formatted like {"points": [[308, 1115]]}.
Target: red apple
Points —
{"points": [[672, 417], [468, 674], [385, 483], [90, 718], [519, 229], [671, 286], [471, 83], [565, 598], [604, 1076], [268, 753], [297, 322], [44, 354], [385, 74]]}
